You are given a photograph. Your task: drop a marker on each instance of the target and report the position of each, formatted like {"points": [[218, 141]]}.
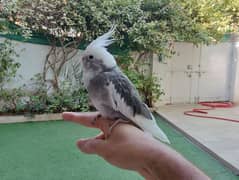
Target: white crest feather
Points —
{"points": [[103, 41]]}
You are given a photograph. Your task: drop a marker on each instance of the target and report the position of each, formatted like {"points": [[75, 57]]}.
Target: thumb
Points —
{"points": [[92, 146]]}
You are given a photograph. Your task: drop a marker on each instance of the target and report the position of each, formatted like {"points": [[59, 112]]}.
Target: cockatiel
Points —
{"points": [[111, 92]]}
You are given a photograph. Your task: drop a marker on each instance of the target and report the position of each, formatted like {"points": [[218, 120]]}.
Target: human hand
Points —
{"points": [[130, 148], [125, 147]]}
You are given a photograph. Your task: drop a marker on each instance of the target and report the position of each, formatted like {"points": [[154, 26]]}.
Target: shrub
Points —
{"points": [[12, 100], [63, 101], [39, 100], [8, 66]]}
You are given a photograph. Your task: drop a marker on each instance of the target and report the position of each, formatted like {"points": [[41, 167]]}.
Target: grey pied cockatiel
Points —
{"points": [[111, 92]]}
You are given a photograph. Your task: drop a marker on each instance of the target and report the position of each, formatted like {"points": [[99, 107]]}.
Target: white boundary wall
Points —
{"points": [[203, 73], [187, 56], [32, 58]]}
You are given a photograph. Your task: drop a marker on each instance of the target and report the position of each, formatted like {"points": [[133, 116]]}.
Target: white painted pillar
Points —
{"points": [[236, 63]]}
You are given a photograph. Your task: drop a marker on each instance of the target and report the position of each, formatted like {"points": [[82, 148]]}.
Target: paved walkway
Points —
{"points": [[220, 138]]}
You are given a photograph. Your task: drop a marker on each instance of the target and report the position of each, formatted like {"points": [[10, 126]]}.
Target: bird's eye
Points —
{"points": [[91, 56]]}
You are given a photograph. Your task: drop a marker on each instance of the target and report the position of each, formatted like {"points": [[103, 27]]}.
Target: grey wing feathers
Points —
{"points": [[128, 93]]}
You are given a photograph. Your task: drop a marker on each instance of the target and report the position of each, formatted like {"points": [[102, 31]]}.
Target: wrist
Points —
{"points": [[165, 163], [151, 155]]}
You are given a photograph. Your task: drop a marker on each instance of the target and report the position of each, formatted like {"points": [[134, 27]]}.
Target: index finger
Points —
{"points": [[84, 118]]}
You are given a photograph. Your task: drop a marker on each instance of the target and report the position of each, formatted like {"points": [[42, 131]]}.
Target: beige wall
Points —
{"points": [[32, 58], [182, 82]]}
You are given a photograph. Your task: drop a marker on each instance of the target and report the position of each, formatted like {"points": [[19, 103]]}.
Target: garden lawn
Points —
{"points": [[47, 151]]}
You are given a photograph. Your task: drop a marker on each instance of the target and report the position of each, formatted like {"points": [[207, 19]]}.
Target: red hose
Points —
{"points": [[217, 104], [212, 105]]}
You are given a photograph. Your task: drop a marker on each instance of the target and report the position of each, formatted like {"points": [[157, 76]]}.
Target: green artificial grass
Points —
{"points": [[47, 151]]}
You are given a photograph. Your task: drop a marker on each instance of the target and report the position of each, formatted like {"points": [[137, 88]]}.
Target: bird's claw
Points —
{"points": [[115, 124], [110, 126]]}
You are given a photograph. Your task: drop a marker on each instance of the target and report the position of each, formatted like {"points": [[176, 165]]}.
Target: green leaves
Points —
{"points": [[213, 17], [56, 18], [38, 99], [145, 25], [11, 100], [8, 65], [141, 25], [17, 101]]}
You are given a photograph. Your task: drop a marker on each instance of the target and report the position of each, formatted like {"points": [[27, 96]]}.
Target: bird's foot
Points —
{"points": [[117, 121], [107, 128]]}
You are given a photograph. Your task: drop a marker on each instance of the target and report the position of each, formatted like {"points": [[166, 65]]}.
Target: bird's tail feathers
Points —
{"points": [[150, 126]]}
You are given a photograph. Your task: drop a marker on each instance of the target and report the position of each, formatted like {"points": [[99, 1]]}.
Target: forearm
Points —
{"points": [[165, 164]]}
